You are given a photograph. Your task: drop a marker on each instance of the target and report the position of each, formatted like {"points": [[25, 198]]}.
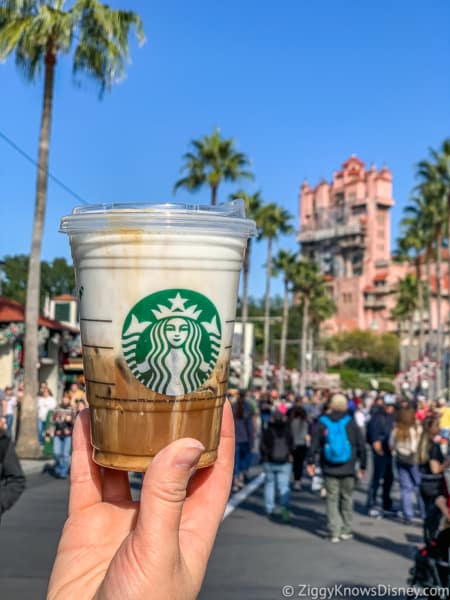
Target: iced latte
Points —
{"points": [[157, 288]]}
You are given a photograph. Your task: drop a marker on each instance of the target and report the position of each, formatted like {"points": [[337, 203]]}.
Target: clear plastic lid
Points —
{"points": [[227, 218]]}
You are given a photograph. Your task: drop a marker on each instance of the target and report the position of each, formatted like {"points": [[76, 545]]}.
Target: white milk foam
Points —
{"points": [[116, 269]]}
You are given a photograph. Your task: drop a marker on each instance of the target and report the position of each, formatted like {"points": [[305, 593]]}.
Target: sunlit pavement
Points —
{"points": [[257, 559], [253, 558]]}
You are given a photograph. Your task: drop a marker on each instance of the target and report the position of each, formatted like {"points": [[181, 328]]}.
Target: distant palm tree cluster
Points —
{"points": [[425, 232]]}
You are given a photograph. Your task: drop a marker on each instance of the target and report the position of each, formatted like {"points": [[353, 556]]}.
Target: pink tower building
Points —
{"points": [[345, 228]]}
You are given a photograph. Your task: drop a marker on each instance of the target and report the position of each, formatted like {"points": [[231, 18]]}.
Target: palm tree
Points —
{"points": [[274, 221], [38, 32], [306, 281], [411, 247], [418, 224], [404, 310], [321, 307], [435, 177], [433, 193], [284, 264], [213, 159], [253, 204]]}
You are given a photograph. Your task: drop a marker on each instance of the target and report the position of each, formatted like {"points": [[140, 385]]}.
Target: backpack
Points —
{"points": [[279, 448], [337, 449]]}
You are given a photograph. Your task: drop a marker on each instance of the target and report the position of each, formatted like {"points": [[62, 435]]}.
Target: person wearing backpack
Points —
{"points": [[276, 455], [339, 442], [404, 444]]}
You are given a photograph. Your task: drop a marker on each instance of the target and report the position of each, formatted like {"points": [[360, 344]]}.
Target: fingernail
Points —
{"points": [[189, 455]]}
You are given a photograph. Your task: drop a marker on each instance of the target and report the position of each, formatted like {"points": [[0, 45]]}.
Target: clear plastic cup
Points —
{"points": [[157, 287]]}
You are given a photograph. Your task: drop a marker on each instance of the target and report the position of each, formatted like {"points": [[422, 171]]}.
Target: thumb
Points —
{"points": [[163, 494]]}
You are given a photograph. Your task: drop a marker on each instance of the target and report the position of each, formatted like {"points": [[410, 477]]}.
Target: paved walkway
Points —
{"points": [[253, 558]]}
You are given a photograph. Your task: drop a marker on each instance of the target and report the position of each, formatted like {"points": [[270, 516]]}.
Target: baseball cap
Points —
{"points": [[389, 399]]}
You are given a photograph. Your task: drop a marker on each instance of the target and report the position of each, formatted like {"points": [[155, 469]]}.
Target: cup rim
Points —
{"points": [[227, 218]]}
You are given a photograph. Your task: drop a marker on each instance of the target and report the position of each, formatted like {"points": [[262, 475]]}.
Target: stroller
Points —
{"points": [[431, 570]]}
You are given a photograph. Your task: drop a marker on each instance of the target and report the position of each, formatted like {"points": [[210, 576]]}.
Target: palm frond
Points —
{"points": [[35, 30], [213, 159]]}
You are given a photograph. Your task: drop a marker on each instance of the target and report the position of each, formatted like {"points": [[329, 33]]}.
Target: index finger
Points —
{"points": [[85, 479]]}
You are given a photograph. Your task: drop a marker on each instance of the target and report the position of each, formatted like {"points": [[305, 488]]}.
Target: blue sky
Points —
{"points": [[300, 86]]}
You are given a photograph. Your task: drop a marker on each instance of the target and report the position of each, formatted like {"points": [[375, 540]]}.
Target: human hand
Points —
{"points": [[378, 447], [113, 548], [361, 474], [310, 469]]}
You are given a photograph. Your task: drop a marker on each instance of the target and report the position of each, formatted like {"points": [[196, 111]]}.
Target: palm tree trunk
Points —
{"points": [[244, 316], [439, 309], [429, 296], [411, 340], [267, 314], [401, 348], [304, 348], [448, 297], [214, 194], [28, 444], [284, 328], [420, 303], [311, 347]]}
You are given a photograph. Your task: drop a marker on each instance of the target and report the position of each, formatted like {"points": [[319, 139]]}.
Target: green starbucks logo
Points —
{"points": [[171, 340]]}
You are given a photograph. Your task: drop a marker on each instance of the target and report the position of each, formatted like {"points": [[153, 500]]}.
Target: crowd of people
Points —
{"points": [[335, 435], [54, 425], [327, 436]]}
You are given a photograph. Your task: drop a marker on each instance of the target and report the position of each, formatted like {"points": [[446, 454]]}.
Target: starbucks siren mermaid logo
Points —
{"points": [[171, 340]]}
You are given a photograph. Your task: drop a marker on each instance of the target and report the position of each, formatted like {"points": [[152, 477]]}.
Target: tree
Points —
{"points": [[436, 174], [370, 352], [15, 269], [38, 32], [321, 308], [433, 191], [306, 280], [284, 264], [411, 247], [386, 351], [356, 342], [405, 308], [418, 227], [57, 277], [253, 205], [275, 221], [213, 159]]}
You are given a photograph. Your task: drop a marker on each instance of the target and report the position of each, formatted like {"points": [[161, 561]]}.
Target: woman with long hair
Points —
{"points": [[432, 465], [404, 443], [300, 435]]}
